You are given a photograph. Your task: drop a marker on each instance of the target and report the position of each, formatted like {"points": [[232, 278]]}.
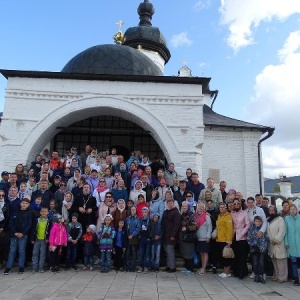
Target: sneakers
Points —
{"points": [[156, 270], [224, 275], [145, 270], [57, 270], [74, 268], [296, 282], [262, 279], [140, 270], [33, 271], [183, 270], [188, 272], [171, 271], [214, 270], [91, 268], [84, 268], [252, 275], [21, 270], [6, 272], [52, 270], [42, 271]]}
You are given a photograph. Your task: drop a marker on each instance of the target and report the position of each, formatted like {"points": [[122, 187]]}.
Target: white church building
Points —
{"points": [[117, 95]]}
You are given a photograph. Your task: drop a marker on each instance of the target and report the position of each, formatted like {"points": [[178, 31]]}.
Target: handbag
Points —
{"points": [[189, 237], [228, 252]]}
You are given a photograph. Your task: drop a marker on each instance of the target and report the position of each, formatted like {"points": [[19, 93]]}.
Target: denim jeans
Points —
{"points": [[39, 254], [71, 254], [131, 258], [88, 260], [294, 267], [258, 261], [17, 244], [105, 260], [155, 256], [145, 250]]}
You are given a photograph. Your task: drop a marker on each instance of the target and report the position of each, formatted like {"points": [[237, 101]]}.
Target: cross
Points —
{"points": [[184, 62], [120, 23]]}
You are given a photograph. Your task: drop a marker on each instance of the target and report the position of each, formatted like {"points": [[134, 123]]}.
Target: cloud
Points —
{"points": [[243, 17], [181, 39], [202, 4], [276, 103]]}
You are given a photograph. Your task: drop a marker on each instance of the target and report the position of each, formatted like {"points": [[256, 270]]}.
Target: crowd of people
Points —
{"points": [[96, 205]]}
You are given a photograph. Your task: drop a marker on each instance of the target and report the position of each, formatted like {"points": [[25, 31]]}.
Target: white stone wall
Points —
{"points": [[34, 108], [234, 154]]}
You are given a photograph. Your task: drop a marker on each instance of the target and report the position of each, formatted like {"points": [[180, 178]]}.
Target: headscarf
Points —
{"points": [[192, 203], [101, 189], [1, 212], [121, 200], [67, 205]]}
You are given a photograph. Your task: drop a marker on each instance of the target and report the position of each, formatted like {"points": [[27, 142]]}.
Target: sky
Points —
{"points": [[249, 48]]}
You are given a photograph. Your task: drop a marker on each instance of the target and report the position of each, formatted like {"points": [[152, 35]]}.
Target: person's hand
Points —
{"points": [[260, 234], [20, 235], [183, 229], [1, 229], [130, 237], [32, 242], [172, 238], [124, 249], [89, 210], [74, 242], [207, 241], [273, 243], [82, 210], [156, 237]]}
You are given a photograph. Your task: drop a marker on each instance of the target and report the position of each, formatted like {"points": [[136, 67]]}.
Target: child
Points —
{"points": [[74, 234], [58, 239], [39, 239], [258, 249], [89, 240], [19, 227], [129, 205], [144, 242], [106, 235], [36, 206], [120, 245], [133, 228], [140, 205], [155, 238], [23, 190], [52, 210]]}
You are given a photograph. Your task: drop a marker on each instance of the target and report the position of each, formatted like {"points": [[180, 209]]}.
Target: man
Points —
{"points": [[180, 194], [215, 194], [170, 230], [170, 174], [77, 156], [195, 186], [86, 206], [55, 186], [222, 188], [56, 166], [84, 155], [13, 200], [46, 194], [259, 203], [13, 181], [59, 195], [188, 174], [265, 202], [4, 181], [147, 187]]}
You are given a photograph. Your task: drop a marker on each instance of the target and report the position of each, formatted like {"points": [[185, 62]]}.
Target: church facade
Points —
{"points": [[169, 117]]}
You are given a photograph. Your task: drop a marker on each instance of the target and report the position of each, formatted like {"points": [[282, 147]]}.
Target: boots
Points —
{"points": [[261, 279], [256, 278], [296, 282]]}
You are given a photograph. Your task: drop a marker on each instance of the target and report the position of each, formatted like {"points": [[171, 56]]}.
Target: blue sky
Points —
{"points": [[250, 49]]}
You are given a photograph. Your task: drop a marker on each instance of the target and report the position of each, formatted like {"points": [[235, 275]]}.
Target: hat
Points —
{"points": [[93, 227], [108, 216], [4, 173], [75, 215], [57, 218], [57, 177], [145, 209]]}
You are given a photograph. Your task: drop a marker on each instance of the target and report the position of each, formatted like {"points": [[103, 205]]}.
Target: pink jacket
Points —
{"points": [[58, 235], [241, 224]]}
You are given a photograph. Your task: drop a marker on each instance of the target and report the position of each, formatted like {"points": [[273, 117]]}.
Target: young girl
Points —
{"points": [[120, 245], [258, 249], [106, 235], [58, 239], [89, 240], [23, 190], [52, 210]]}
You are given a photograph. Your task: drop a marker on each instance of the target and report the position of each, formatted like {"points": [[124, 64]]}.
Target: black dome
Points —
{"points": [[113, 60]]}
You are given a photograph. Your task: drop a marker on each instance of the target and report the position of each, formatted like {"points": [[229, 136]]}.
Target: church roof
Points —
{"points": [[211, 118], [269, 184], [112, 60]]}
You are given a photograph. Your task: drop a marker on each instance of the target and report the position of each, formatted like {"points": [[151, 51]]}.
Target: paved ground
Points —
{"points": [[93, 285]]}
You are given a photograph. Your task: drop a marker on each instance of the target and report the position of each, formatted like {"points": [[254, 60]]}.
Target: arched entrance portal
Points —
{"points": [[105, 132]]}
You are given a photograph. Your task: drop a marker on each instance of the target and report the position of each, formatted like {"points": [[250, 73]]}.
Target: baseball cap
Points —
{"points": [[4, 173]]}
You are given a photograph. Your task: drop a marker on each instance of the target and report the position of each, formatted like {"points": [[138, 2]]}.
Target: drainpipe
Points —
{"points": [[215, 94], [270, 133]]}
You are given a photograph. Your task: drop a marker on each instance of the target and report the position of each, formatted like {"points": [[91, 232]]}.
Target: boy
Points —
{"points": [[155, 238], [39, 239], [144, 242], [89, 240], [258, 249], [106, 236], [19, 227], [74, 234], [120, 245]]}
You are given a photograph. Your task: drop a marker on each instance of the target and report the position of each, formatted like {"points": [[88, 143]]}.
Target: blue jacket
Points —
{"points": [[133, 225], [145, 233], [119, 194], [155, 229], [21, 222], [195, 189]]}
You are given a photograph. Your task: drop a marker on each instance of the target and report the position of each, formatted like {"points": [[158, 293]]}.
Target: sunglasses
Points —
{"points": [[189, 196], [1, 195], [108, 197]]}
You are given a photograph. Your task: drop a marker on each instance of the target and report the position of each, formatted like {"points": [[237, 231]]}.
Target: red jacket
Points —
{"points": [[139, 208]]}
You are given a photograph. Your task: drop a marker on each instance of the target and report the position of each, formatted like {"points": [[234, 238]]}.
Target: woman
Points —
{"points": [[100, 191], [224, 238], [108, 206], [169, 196], [285, 208], [189, 198], [136, 192], [120, 191], [66, 210], [188, 224], [156, 205], [277, 251], [292, 239], [120, 213], [203, 235], [20, 171], [87, 172], [4, 232]]}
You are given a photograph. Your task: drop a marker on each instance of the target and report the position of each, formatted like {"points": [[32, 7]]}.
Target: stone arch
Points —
{"points": [[81, 109]]}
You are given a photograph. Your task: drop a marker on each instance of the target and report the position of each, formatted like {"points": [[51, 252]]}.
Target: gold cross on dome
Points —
{"points": [[120, 23]]}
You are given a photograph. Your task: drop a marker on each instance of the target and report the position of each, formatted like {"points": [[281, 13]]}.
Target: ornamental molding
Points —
{"points": [[166, 100], [230, 137]]}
